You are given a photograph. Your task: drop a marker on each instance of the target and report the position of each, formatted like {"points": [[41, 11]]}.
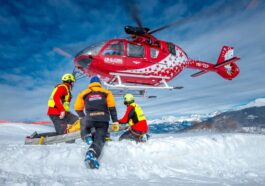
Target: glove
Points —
{"points": [[62, 115], [115, 127]]}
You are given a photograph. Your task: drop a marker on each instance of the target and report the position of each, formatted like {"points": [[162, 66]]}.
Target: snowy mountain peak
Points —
{"points": [[259, 102]]}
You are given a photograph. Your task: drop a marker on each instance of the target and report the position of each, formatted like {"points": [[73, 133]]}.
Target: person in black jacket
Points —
{"points": [[99, 105]]}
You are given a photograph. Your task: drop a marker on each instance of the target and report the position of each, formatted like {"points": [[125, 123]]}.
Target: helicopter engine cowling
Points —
{"points": [[228, 71], [139, 31]]}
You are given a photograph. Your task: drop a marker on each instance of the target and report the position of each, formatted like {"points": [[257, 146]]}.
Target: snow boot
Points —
{"points": [[88, 139], [91, 161], [145, 137]]}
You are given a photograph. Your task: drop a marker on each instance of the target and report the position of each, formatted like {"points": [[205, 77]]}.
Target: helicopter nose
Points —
{"points": [[84, 62]]}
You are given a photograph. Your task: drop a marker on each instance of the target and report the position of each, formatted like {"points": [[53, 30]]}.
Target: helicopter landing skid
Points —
{"points": [[116, 83], [136, 93], [119, 88]]}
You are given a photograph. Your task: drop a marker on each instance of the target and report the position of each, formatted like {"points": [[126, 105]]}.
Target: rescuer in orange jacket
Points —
{"points": [[135, 117], [99, 105], [59, 104]]}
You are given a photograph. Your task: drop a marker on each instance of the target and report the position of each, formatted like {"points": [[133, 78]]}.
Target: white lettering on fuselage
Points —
{"points": [[202, 65], [113, 60]]}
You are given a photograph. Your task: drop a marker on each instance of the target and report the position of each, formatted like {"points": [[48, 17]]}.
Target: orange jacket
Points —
{"points": [[97, 102]]}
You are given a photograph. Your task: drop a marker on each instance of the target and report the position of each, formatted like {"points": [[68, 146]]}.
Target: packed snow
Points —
{"points": [[168, 158]]}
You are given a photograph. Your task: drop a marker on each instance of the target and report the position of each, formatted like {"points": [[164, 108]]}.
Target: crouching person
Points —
{"points": [[99, 105], [59, 105], [134, 115]]}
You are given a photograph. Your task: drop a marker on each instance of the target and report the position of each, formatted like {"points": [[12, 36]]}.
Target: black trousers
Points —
{"points": [[101, 130], [129, 135], [60, 125]]}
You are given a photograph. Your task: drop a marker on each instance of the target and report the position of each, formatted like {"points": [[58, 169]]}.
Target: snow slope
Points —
{"points": [[200, 158]]}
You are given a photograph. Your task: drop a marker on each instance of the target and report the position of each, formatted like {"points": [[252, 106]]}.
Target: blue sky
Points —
{"points": [[29, 68]]}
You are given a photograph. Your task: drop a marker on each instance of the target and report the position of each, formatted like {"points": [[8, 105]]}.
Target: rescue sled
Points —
{"points": [[46, 140]]}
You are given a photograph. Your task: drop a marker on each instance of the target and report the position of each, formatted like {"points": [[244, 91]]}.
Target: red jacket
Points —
{"points": [[131, 117], [58, 98]]}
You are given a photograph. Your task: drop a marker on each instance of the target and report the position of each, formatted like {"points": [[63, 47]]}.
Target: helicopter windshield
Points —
{"points": [[92, 49]]}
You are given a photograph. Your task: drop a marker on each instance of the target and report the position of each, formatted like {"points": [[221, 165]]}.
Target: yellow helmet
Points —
{"points": [[68, 78], [128, 99]]}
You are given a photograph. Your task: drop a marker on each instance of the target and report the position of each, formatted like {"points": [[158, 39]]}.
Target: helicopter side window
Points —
{"points": [[154, 52], [135, 50], [171, 48], [92, 49], [114, 49]]}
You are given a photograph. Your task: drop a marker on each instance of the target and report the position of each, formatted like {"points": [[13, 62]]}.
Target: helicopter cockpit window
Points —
{"points": [[92, 49], [154, 52], [114, 49], [135, 50]]}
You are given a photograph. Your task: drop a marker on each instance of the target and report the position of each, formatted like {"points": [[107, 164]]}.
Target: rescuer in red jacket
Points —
{"points": [[59, 104], [135, 117]]}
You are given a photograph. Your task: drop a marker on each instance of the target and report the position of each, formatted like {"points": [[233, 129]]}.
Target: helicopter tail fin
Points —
{"points": [[225, 65], [226, 53]]}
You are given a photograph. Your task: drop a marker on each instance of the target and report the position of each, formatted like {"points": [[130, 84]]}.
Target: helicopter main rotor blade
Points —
{"points": [[134, 12], [176, 23], [62, 52], [232, 7]]}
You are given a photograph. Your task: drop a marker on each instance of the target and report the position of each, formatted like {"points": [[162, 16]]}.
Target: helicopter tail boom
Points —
{"points": [[225, 65]]}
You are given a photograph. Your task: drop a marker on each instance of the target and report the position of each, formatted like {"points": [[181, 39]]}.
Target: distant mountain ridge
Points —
{"points": [[240, 120]]}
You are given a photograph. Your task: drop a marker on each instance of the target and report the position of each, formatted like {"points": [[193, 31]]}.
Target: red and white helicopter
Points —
{"points": [[146, 62]]}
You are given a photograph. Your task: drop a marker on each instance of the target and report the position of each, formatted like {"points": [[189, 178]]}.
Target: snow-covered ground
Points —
{"points": [[200, 158]]}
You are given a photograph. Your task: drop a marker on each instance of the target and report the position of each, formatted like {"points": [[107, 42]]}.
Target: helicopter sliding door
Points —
{"points": [[113, 55], [135, 62], [135, 55]]}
